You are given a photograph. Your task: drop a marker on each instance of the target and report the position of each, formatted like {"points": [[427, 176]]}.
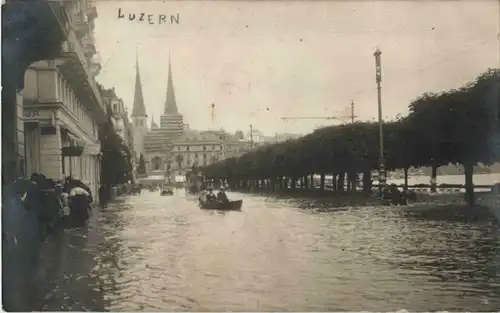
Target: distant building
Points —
{"points": [[119, 117], [173, 148], [255, 136], [202, 148], [258, 138]]}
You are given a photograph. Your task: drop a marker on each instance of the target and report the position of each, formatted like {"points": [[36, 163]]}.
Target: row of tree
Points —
{"points": [[116, 165], [141, 168], [441, 128]]}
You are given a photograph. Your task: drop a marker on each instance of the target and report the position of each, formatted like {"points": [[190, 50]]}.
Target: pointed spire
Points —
{"points": [[139, 108], [170, 103]]}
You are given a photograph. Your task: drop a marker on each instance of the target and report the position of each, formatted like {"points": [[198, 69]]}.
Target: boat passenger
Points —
{"points": [[210, 195], [221, 195]]}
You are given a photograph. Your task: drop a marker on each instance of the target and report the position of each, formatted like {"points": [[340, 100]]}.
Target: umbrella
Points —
{"points": [[78, 191]]}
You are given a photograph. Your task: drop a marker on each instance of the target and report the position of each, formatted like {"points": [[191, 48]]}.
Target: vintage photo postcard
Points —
{"points": [[265, 155]]}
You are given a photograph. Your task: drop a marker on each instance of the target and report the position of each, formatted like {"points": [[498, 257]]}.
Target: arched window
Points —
{"points": [[156, 163]]}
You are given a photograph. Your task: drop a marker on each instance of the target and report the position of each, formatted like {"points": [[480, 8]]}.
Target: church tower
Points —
{"points": [[139, 117], [153, 124], [171, 120]]}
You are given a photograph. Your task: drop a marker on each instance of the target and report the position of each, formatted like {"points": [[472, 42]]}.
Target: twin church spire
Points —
{"points": [[139, 109], [170, 103]]}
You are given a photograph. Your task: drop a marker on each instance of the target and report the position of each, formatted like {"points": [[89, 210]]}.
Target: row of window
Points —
{"points": [[49, 86], [188, 163], [202, 155], [205, 148], [194, 156], [156, 163], [69, 98]]}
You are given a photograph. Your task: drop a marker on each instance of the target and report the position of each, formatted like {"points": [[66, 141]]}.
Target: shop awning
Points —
{"points": [[74, 139]]}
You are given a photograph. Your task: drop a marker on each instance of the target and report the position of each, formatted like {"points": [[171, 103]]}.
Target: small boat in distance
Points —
{"points": [[222, 206], [167, 192], [227, 205]]}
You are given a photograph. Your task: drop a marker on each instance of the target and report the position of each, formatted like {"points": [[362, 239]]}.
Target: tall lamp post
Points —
{"points": [[251, 136], [378, 69]]}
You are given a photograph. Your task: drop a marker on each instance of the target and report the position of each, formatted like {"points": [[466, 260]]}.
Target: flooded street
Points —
{"points": [[157, 253]]}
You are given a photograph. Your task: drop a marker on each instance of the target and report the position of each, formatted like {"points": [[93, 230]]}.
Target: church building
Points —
{"points": [[172, 149]]}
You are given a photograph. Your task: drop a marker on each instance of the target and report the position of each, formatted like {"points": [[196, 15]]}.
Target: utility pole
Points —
{"points": [[251, 135], [352, 111], [378, 70]]}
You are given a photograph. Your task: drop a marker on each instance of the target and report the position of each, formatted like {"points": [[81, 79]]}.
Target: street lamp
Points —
{"points": [[378, 70]]}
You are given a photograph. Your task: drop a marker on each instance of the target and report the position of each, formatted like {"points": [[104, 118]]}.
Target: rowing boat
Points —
{"points": [[222, 206]]}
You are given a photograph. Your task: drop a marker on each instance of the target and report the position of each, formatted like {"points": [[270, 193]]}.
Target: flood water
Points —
{"points": [[158, 253]]}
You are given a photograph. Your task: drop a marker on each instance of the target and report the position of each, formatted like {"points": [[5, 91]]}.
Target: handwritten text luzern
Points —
{"points": [[149, 18]]}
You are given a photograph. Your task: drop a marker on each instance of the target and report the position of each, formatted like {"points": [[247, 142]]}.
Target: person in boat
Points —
{"points": [[221, 195], [210, 195], [203, 186]]}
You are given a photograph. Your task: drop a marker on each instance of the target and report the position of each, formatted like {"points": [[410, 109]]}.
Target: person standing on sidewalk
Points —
{"points": [[103, 195]]}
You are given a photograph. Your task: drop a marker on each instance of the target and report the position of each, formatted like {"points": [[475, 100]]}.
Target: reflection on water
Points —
{"points": [[164, 253]]}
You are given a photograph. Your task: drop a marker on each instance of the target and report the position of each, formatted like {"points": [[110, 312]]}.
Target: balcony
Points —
{"points": [[80, 24], [78, 75], [92, 13], [95, 64], [88, 46]]}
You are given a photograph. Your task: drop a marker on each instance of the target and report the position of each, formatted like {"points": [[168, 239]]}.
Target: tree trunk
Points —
{"points": [[434, 178], [284, 183], [306, 182], [406, 177], [322, 182], [367, 180], [351, 177], [469, 184], [293, 183], [334, 182], [341, 182]]}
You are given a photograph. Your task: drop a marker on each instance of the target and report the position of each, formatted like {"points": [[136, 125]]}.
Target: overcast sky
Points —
{"points": [[262, 60]]}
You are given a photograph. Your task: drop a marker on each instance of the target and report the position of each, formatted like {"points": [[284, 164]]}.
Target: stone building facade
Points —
{"points": [[63, 105], [119, 116]]}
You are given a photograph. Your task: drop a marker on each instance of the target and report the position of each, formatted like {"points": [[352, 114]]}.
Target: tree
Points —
{"points": [[454, 126], [141, 169], [116, 165], [179, 159], [239, 135]]}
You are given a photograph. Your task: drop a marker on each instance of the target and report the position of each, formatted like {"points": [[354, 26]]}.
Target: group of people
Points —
{"points": [[210, 196], [47, 199], [33, 209]]}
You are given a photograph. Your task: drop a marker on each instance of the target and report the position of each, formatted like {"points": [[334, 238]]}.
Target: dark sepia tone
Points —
{"points": [[250, 155]]}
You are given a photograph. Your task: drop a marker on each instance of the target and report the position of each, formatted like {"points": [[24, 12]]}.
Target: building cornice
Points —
{"points": [[33, 105], [83, 84]]}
